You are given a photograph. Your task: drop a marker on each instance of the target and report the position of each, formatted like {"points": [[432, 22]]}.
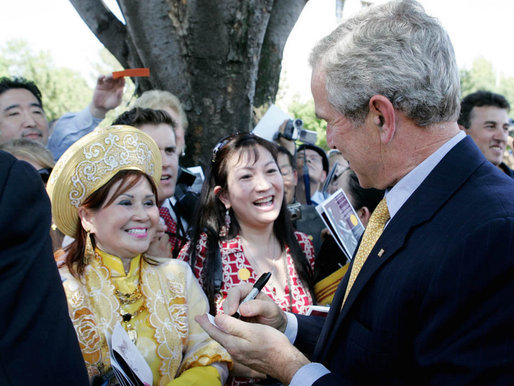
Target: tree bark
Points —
{"points": [[283, 18], [221, 58]]}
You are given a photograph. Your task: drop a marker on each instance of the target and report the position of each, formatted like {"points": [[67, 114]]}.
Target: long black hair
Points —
{"points": [[210, 215]]}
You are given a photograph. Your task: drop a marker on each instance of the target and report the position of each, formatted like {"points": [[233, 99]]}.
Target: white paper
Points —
{"points": [[342, 220], [318, 310], [123, 346], [198, 172], [270, 123], [211, 319]]}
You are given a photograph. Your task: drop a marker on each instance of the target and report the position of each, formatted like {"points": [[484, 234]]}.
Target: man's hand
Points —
{"points": [[262, 310], [289, 144], [160, 245], [107, 95], [260, 347]]}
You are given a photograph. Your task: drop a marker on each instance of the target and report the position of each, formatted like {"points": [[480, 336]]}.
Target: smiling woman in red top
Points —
{"points": [[243, 228]]}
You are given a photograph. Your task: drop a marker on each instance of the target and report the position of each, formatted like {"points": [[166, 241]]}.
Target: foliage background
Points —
{"points": [[66, 90], [481, 76], [62, 89]]}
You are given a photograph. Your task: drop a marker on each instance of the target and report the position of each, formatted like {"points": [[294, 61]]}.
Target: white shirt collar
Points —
{"points": [[167, 204], [400, 193]]}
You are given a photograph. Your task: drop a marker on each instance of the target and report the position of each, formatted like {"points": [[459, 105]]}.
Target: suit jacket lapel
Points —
{"points": [[453, 170]]}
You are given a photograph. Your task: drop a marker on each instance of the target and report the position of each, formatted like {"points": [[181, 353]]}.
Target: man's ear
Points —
{"points": [[222, 195], [384, 116], [87, 219], [364, 215], [462, 128]]}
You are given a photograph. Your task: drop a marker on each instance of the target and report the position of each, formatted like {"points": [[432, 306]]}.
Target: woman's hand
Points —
{"points": [[240, 370]]}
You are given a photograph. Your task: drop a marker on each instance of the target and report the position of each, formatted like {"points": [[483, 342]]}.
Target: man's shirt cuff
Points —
{"points": [[308, 374], [291, 327]]}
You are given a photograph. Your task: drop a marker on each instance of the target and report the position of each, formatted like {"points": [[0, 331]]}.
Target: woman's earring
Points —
{"points": [[89, 252], [226, 227], [227, 220]]}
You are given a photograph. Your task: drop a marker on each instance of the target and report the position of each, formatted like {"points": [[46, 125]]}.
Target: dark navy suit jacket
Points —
{"points": [[438, 306], [38, 345]]}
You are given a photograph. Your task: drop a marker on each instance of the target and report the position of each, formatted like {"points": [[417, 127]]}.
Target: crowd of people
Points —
{"points": [[117, 240]]}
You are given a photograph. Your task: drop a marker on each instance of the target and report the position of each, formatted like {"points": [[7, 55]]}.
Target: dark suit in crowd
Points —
{"points": [[437, 306], [38, 345]]}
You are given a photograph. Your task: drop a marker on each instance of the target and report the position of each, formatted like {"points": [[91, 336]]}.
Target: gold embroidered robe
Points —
{"points": [[172, 298]]}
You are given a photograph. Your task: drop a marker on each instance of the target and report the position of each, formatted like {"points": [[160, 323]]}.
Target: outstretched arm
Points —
{"points": [[257, 346], [107, 95], [261, 345], [72, 126]]}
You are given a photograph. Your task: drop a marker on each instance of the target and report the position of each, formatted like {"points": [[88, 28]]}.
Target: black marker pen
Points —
{"points": [[257, 287]]}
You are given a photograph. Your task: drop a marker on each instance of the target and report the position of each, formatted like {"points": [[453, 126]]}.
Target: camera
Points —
{"points": [[295, 210], [294, 131]]}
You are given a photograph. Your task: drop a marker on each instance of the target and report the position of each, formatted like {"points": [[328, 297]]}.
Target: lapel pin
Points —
{"points": [[380, 253]]}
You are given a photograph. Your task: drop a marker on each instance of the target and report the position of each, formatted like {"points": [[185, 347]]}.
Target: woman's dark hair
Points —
{"points": [[210, 214], [358, 196], [95, 201]]}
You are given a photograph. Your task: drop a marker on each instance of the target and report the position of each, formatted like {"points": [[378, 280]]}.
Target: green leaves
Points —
{"points": [[63, 90], [482, 76]]}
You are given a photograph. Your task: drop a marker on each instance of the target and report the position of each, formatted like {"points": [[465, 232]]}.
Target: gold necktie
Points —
{"points": [[373, 231]]}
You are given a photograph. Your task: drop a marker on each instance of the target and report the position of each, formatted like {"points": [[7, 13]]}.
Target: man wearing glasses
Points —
{"points": [[311, 162]]}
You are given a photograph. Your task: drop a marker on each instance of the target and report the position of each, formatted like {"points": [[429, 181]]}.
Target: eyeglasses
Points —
{"points": [[310, 158], [45, 174]]}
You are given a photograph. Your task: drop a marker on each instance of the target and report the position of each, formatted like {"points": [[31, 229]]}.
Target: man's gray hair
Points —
{"points": [[395, 50]]}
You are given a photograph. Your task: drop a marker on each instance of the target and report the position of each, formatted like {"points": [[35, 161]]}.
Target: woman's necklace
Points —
{"points": [[255, 261], [274, 277], [127, 300]]}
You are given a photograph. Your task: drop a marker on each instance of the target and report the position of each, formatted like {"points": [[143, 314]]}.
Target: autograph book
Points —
{"points": [[342, 221]]}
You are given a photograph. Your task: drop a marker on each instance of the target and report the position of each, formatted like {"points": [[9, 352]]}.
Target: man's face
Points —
{"points": [[489, 127], [21, 116], [165, 138], [358, 145], [179, 129], [314, 164], [288, 175]]}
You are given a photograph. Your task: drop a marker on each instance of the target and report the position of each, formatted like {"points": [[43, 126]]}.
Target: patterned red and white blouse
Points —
{"points": [[236, 266]]}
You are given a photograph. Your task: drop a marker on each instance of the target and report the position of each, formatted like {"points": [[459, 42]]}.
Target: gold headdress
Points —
{"points": [[91, 162]]}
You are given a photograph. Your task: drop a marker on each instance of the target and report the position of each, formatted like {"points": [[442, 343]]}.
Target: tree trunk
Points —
{"points": [[221, 58]]}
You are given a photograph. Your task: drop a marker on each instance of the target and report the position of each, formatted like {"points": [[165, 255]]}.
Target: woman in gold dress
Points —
{"points": [[103, 193]]}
